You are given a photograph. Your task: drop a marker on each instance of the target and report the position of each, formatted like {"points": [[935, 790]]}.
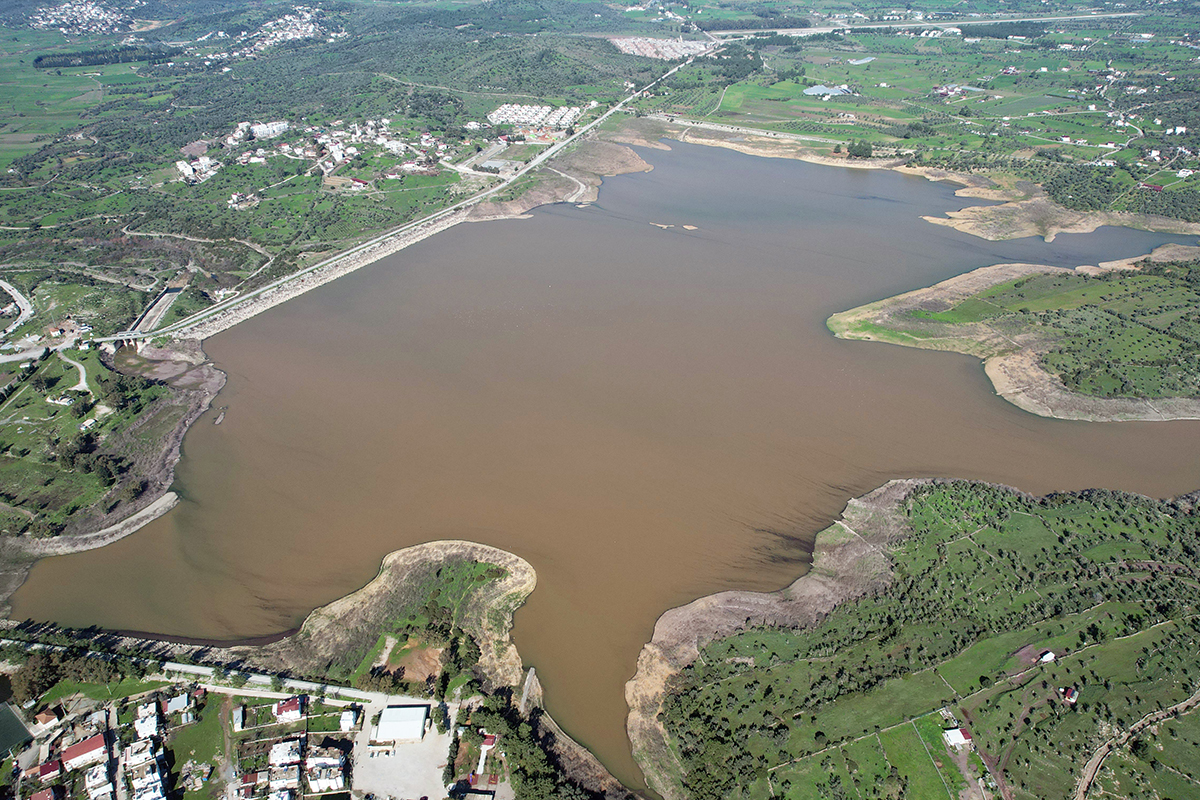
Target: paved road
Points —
{"points": [[537, 161], [941, 23], [22, 303], [717, 126], [25, 355], [82, 385]]}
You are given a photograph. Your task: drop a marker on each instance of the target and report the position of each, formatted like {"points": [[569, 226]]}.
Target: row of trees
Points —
{"points": [[45, 668]]}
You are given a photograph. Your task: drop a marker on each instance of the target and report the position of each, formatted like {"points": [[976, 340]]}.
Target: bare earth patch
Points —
{"points": [[415, 662]]}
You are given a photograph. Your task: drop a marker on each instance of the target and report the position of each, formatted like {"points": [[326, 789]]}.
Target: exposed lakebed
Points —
{"points": [[645, 414]]}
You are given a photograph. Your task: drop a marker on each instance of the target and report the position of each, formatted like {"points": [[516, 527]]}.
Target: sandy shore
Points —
{"points": [[1012, 361], [19, 554], [849, 560], [61, 546]]}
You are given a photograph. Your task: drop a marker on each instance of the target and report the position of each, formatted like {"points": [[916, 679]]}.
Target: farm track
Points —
{"points": [[1092, 768]]}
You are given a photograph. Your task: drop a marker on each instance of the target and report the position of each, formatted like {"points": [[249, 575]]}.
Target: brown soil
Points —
{"points": [[418, 663], [850, 559]]}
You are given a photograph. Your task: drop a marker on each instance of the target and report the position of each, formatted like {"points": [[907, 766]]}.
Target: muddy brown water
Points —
{"points": [[647, 415]]}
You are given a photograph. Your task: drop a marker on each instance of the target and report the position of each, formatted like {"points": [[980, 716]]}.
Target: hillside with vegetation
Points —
{"points": [[1055, 634]]}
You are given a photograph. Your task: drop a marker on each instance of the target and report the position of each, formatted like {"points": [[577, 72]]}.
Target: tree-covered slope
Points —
{"points": [[987, 583]]}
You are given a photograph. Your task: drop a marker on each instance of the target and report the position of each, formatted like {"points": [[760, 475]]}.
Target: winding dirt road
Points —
{"points": [[1092, 768]]}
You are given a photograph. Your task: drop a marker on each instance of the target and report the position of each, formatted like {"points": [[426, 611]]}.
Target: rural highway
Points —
{"points": [[717, 126], [22, 303], [941, 23], [537, 161]]}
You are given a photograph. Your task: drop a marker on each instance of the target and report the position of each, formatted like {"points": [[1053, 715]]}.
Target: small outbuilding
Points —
{"points": [[957, 738]]}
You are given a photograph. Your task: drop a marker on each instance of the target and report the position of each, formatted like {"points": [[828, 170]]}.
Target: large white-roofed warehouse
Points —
{"points": [[400, 724]]}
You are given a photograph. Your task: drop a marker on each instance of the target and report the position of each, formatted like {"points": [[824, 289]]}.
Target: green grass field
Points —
{"points": [[988, 581], [60, 460], [112, 691]]}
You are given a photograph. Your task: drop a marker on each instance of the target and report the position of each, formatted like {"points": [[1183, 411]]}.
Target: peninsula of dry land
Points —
{"points": [[434, 623], [953, 640], [1101, 343]]}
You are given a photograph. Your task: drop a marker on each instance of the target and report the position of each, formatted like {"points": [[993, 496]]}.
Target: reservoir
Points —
{"points": [[646, 414]]}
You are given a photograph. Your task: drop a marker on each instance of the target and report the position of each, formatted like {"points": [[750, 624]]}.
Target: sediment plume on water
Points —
{"points": [[646, 415]]}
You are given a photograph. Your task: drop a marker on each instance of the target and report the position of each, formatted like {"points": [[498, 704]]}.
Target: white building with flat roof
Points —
{"points": [[401, 723], [284, 753]]}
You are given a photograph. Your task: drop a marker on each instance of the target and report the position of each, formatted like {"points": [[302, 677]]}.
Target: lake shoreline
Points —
{"points": [[607, 154], [568, 187], [330, 628], [1021, 209], [1012, 365], [194, 383], [591, 161], [850, 560]]}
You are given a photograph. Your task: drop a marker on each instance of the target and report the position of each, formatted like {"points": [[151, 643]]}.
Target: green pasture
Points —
{"points": [[992, 580]]}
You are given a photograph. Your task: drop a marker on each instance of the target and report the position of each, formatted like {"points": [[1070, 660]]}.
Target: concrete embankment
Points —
{"points": [[223, 320]]}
